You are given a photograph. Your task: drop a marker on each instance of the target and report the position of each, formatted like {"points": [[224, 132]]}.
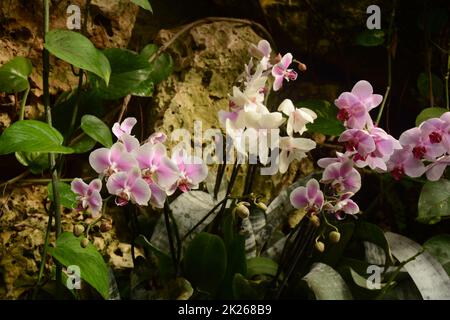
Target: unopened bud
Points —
{"points": [[320, 246], [78, 230], [242, 210], [84, 243], [301, 66], [261, 205], [315, 220], [334, 236]]}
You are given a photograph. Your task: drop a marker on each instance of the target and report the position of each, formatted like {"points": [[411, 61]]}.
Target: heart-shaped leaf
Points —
{"points": [[205, 262], [96, 129], [32, 136], [79, 51], [161, 67], [326, 122], [67, 197], [93, 269], [429, 113], [14, 75], [439, 247], [144, 4], [261, 266], [434, 201]]}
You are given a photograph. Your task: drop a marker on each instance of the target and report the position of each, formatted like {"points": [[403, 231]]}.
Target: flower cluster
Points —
{"points": [[425, 149], [248, 116], [140, 174]]}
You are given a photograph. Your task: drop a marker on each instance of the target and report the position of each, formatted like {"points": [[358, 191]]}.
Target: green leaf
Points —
{"points": [[32, 136], [165, 265], [370, 38], [35, 161], [244, 289], [14, 75], [429, 113], [129, 75], [205, 262], [161, 67], [96, 129], [423, 84], [326, 122], [439, 247], [261, 266], [426, 272], [83, 145], [67, 197], [79, 51], [326, 283], [434, 201], [144, 4], [372, 233], [93, 268]]}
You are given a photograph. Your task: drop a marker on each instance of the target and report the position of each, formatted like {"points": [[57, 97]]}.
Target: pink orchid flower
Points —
{"points": [[354, 106], [262, 52], [325, 162], [281, 72], [192, 170], [129, 186], [88, 196], [438, 130], [403, 162], [345, 206], [125, 127], [358, 140], [342, 177], [156, 166], [157, 137], [435, 170], [109, 161], [421, 146], [309, 198]]}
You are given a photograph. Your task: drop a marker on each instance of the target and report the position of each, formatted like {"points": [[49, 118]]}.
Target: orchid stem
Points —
{"points": [[23, 102], [51, 156], [170, 236], [447, 75]]}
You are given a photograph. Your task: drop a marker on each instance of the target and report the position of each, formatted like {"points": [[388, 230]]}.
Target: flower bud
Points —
{"points": [[84, 243], [320, 246], [78, 230], [261, 205], [315, 220], [242, 210], [334, 236]]}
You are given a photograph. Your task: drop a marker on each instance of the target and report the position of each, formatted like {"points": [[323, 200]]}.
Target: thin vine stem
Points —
{"points": [[23, 102]]}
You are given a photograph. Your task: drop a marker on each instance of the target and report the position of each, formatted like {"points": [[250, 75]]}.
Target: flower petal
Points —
{"points": [[140, 192], [99, 159], [79, 186], [298, 198], [116, 182]]}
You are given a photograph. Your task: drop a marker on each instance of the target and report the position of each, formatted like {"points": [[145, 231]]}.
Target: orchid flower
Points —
{"points": [[342, 177], [281, 72], [156, 166], [88, 196], [421, 146], [438, 130], [293, 148], [354, 106], [436, 169], [109, 161], [344, 206], [192, 171], [157, 137], [262, 52], [298, 118], [129, 186], [125, 127], [403, 162], [358, 140], [309, 198]]}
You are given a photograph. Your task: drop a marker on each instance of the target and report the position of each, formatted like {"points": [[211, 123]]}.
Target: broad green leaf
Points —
{"points": [[434, 201], [362, 282], [372, 233], [129, 75], [79, 51], [423, 84], [261, 266], [326, 283], [326, 122], [205, 262], [144, 4], [439, 247], [165, 265], [371, 38], [68, 251], [35, 161], [427, 273], [96, 129], [83, 145], [67, 197], [161, 67], [32, 136], [14, 75], [244, 289], [429, 113]]}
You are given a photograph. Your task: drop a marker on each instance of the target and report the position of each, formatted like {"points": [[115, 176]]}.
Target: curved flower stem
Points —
{"points": [[170, 236], [447, 75], [51, 156], [23, 102], [178, 241]]}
